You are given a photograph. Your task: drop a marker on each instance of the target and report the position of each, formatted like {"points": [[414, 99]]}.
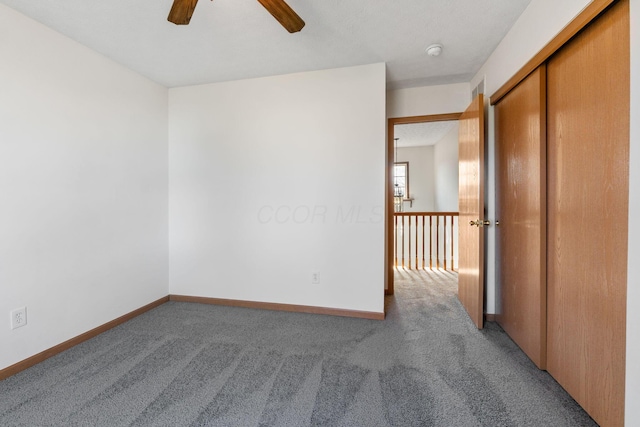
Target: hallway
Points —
{"points": [[490, 375]]}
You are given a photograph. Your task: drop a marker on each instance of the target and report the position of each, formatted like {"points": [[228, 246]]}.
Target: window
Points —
{"points": [[400, 185], [401, 180]]}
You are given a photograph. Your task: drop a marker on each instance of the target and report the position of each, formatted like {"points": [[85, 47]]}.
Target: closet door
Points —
{"points": [[521, 160], [588, 178]]}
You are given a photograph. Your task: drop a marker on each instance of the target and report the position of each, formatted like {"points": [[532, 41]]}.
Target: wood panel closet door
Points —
{"points": [[588, 178], [521, 161]]}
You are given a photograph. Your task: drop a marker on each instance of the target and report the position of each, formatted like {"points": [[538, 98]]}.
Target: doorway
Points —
{"points": [[403, 199]]}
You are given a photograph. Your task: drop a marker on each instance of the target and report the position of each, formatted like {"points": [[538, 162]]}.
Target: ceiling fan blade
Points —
{"points": [[284, 14], [181, 11]]}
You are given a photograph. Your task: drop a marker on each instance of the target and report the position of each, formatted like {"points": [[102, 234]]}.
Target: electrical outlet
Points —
{"points": [[315, 277], [18, 317]]}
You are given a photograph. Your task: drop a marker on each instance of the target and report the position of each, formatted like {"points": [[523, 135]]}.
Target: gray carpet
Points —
{"points": [[197, 365]]}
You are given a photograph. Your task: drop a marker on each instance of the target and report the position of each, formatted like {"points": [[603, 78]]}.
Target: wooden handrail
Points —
{"points": [[411, 240], [425, 213]]}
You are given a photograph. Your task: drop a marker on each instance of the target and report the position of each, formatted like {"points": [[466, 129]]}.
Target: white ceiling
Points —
{"points": [[419, 134], [237, 39]]}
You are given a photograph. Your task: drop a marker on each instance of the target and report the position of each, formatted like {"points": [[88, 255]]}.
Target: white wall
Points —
{"points": [[428, 100], [433, 174], [633, 279], [540, 22], [421, 177], [83, 178], [273, 178], [445, 162]]}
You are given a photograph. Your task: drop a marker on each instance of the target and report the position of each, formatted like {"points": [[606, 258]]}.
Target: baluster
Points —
{"points": [[395, 246], [431, 242], [444, 241], [415, 221], [453, 268], [423, 242], [438, 242], [403, 233], [409, 252]]}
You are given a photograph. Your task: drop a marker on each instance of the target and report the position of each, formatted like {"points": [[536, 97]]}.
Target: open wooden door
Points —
{"points": [[471, 207]]}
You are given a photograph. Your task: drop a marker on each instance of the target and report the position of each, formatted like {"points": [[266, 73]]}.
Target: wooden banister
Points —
{"points": [[415, 235]]}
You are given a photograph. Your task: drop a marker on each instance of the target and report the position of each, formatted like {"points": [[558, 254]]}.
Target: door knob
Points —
{"points": [[480, 223]]}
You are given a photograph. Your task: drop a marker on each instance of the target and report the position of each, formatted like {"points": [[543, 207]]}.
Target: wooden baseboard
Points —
{"points": [[280, 307], [490, 317], [42, 356]]}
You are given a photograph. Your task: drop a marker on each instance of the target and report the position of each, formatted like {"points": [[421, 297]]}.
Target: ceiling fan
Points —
{"points": [[182, 10]]}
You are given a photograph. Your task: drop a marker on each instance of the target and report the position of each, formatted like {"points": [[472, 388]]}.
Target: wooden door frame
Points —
{"points": [[388, 223]]}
